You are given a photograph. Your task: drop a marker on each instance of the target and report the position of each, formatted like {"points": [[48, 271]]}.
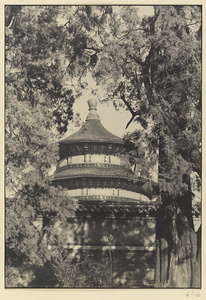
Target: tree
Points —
{"points": [[78, 268], [153, 66], [38, 107]]}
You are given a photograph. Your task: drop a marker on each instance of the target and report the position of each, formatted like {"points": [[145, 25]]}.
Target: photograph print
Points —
{"points": [[103, 140]]}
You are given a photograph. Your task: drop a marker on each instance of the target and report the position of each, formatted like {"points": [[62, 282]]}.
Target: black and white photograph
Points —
{"points": [[103, 147]]}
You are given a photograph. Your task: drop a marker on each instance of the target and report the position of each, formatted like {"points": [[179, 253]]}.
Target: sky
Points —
{"points": [[113, 120]]}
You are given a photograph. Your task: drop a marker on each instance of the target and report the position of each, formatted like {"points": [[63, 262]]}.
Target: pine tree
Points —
{"points": [[38, 107]]}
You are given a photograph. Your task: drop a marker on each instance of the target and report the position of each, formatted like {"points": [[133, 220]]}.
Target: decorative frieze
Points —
{"points": [[105, 182], [82, 148], [141, 209]]}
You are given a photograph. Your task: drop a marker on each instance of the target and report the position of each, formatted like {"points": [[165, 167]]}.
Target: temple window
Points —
{"points": [[84, 191], [63, 163], [69, 160], [107, 159], [115, 192], [87, 158]]}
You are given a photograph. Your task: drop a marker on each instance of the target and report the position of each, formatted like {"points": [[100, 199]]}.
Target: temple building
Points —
{"points": [[115, 219]]}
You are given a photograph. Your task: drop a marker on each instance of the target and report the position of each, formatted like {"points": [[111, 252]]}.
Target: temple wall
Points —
{"points": [[99, 231], [125, 244]]}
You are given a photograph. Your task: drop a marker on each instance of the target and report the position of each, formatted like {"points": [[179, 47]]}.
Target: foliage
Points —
{"points": [[79, 270], [35, 62], [38, 106]]}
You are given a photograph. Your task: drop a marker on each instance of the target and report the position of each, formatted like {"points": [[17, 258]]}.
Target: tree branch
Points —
{"points": [[93, 49], [127, 33], [134, 113], [194, 23], [98, 32], [133, 116]]}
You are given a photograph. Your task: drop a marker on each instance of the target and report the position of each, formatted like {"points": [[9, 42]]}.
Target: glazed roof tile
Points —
{"points": [[92, 130], [93, 172]]}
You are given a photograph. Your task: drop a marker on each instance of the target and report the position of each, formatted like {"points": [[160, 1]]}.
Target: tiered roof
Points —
{"points": [[92, 131], [93, 138]]}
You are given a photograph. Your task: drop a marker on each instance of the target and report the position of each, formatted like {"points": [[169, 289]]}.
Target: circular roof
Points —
{"points": [[93, 171], [92, 130]]}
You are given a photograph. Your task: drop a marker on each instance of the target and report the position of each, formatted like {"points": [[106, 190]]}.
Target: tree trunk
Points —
{"points": [[178, 253]]}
